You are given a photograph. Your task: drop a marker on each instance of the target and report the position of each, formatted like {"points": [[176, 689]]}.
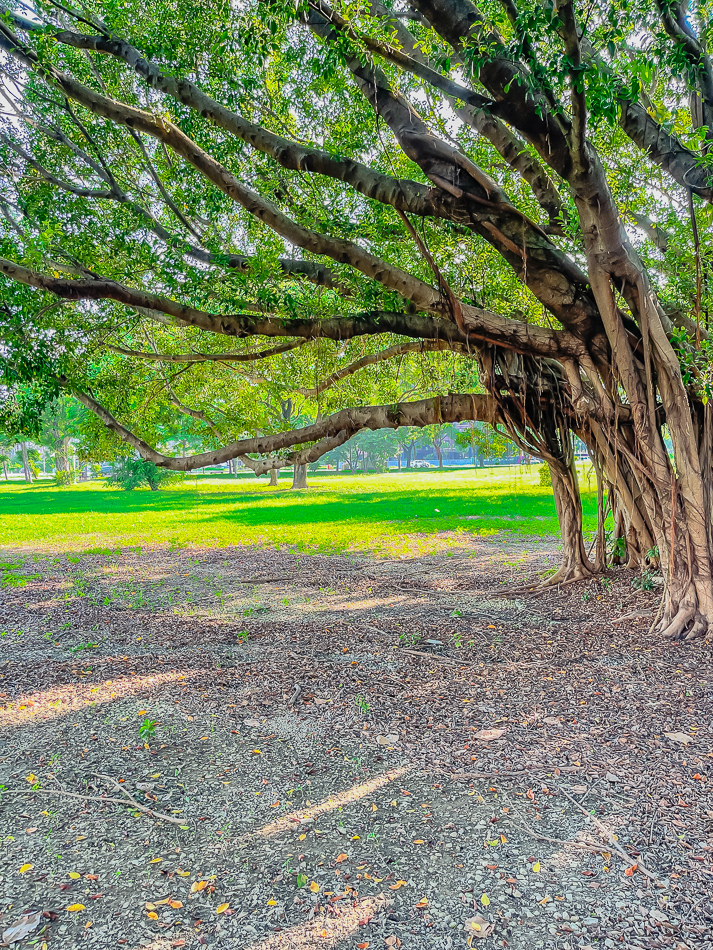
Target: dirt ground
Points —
{"points": [[347, 752]]}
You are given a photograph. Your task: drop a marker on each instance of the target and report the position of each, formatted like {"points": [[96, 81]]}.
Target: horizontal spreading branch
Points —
{"points": [[208, 357], [452, 408], [303, 457], [480, 325]]}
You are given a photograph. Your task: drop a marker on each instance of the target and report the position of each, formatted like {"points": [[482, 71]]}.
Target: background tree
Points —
{"points": [[501, 211]]}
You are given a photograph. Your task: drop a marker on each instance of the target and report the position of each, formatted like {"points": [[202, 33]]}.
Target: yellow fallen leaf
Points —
{"points": [[418, 841], [423, 902], [302, 837], [257, 752], [536, 867], [503, 839], [152, 915], [182, 873], [31, 778], [545, 900], [155, 860], [314, 887], [74, 875], [272, 903], [141, 712], [397, 885], [88, 925], [198, 886], [73, 908], [341, 857], [485, 900], [25, 867], [175, 904], [221, 908], [149, 906], [373, 807]]}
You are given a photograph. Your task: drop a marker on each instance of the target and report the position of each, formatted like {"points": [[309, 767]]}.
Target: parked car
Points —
{"points": [[421, 463]]}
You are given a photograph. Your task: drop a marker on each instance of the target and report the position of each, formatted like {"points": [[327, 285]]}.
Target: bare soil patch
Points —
{"points": [[354, 752]]}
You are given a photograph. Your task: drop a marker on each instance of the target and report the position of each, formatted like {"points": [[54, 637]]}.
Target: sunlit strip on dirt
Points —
{"points": [[325, 932], [351, 795], [74, 697]]}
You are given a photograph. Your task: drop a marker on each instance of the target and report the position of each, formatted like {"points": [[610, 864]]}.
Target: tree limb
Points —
{"points": [[450, 408]]}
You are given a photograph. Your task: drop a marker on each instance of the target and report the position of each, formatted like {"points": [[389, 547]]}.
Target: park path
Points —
{"points": [[354, 752]]}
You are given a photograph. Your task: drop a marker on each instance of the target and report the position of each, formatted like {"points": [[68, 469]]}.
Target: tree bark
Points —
{"points": [[26, 463], [273, 477], [299, 479], [575, 563]]}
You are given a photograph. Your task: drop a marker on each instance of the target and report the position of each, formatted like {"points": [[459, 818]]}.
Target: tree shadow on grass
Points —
{"points": [[523, 510]]}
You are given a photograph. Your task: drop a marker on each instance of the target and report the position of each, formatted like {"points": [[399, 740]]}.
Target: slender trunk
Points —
{"points": [[4, 468], [299, 479], [439, 454], [26, 462], [273, 476]]}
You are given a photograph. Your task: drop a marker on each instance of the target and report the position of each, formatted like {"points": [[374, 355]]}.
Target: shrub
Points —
{"points": [[133, 473], [65, 477], [545, 474]]}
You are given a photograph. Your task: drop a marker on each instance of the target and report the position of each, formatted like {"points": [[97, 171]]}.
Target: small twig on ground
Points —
{"points": [[634, 614], [584, 845], [438, 659], [132, 803], [295, 696], [610, 837]]}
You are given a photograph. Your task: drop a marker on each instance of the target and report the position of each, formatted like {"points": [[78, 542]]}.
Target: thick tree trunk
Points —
{"points": [[273, 476], [62, 447], [299, 479]]}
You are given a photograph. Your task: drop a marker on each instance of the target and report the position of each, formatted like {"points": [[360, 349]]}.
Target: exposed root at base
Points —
{"points": [[687, 624], [561, 578]]}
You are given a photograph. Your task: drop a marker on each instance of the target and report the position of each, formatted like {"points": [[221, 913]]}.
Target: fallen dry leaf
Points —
{"points": [[152, 915], [679, 737], [221, 908], [175, 904], [25, 868], [198, 886], [21, 928], [74, 908], [314, 887], [397, 885], [478, 927], [74, 875], [341, 857], [487, 735]]}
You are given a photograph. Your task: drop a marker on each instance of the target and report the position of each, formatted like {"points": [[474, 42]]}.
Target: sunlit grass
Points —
{"points": [[394, 513]]}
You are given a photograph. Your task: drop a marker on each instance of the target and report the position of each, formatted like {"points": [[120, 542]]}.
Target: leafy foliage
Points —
{"points": [[130, 474]]}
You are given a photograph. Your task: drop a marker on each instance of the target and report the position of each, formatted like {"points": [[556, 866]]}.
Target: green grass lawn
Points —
{"points": [[391, 513]]}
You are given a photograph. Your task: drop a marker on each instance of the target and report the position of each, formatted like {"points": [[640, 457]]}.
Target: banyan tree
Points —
{"points": [[516, 192]]}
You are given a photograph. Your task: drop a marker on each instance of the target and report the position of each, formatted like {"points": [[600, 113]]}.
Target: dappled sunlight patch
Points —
{"points": [[347, 797], [77, 696], [325, 930]]}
